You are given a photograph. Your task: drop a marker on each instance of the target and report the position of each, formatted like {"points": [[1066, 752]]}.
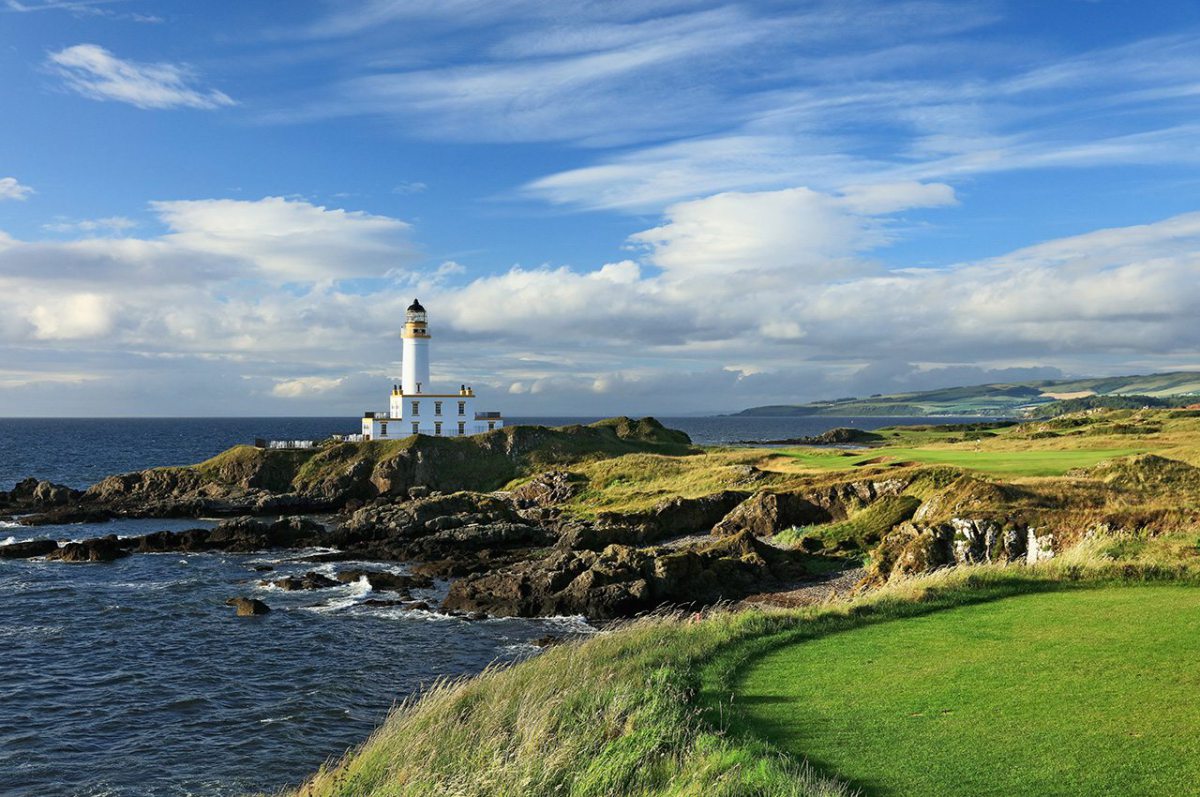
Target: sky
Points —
{"points": [[609, 207]]}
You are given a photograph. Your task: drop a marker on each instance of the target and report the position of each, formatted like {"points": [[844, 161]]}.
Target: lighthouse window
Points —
{"points": [[383, 430], [462, 427], [437, 428], [462, 408], [437, 408], [416, 428], [416, 408]]}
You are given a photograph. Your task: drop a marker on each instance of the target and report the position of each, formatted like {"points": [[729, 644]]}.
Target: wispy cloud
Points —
{"points": [[11, 188], [94, 72], [110, 225]]}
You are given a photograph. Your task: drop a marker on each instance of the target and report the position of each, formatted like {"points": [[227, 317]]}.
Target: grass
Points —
{"points": [[649, 709], [863, 528], [1004, 462], [1078, 692]]}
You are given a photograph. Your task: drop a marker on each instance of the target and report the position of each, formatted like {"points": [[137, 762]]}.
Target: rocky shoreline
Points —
{"points": [[509, 553]]}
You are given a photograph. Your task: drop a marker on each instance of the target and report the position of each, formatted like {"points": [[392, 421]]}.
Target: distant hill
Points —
{"points": [[1008, 400]]}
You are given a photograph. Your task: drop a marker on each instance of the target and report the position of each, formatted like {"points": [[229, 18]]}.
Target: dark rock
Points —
{"points": [[383, 581], [669, 518], [187, 541], [248, 607], [65, 515], [27, 549], [310, 580], [766, 513], [101, 549], [547, 489], [383, 602], [621, 580], [418, 606], [264, 568]]}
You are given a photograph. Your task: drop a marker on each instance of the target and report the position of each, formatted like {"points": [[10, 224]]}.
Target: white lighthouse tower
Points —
{"points": [[415, 408], [415, 365]]}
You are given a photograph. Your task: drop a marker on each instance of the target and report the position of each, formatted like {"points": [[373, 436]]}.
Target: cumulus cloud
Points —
{"points": [[94, 72], [305, 386], [288, 239], [10, 188], [740, 298]]}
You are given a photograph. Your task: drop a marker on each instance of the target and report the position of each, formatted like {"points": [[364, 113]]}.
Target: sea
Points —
{"points": [[133, 679]]}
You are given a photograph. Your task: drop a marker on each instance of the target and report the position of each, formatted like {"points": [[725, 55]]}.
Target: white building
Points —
{"points": [[414, 407]]}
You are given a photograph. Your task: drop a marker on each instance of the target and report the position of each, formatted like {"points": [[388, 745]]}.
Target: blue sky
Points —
{"points": [[659, 206]]}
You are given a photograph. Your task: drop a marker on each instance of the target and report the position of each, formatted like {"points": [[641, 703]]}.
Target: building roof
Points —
{"points": [[416, 307]]}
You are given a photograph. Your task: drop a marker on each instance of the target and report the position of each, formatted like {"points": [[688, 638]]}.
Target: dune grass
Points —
{"points": [[1089, 691]]}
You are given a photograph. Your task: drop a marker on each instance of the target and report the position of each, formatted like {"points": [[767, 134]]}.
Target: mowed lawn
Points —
{"points": [[1080, 692], [1035, 462]]}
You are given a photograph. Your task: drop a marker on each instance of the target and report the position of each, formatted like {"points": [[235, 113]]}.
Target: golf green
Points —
{"points": [[1080, 691]]}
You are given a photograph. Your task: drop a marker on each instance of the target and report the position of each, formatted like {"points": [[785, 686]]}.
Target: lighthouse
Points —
{"points": [[415, 365], [415, 407]]}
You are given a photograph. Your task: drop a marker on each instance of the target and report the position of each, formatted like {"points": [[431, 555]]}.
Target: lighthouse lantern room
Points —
{"points": [[414, 407]]}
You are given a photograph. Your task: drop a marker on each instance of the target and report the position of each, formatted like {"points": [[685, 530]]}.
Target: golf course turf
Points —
{"points": [[1073, 691]]}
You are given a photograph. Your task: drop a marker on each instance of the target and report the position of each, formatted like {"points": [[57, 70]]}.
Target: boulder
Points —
{"points": [[547, 489], [310, 580], [100, 549], [383, 581], [27, 549], [765, 513], [248, 607]]}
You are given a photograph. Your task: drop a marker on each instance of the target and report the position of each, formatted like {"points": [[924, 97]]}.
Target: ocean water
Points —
{"points": [[133, 679]]}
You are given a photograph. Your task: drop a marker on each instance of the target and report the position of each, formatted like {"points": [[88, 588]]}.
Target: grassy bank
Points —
{"points": [[648, 709], [1086, 691]]}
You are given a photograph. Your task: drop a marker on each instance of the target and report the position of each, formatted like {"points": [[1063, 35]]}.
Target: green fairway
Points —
{"points": [[1086, 691], [1037, 462]]}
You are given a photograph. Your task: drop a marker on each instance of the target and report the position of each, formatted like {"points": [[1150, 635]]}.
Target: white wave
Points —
{"points": [[8, 524], [269, 720], [8, 540], [351, 594]]}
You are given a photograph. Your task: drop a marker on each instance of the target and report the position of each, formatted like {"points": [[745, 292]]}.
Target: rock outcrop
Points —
{"points": [[310, 580], [622, 580], [237, 535], [248, 607], [27, 549], [100, 549], [913, 548]]}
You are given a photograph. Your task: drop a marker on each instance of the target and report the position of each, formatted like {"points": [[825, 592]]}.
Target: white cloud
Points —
{"points": [[716, 308], [94, 72], [110, 224], [409, 187], [288, 240], [73, 317], [306, 386], [10, 188]]}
